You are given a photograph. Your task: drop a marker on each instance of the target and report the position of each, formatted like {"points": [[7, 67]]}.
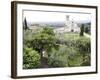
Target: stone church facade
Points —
{"points": [[70, 26]]}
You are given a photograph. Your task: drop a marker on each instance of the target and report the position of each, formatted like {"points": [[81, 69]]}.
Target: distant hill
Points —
{"points": [[53, 24]]}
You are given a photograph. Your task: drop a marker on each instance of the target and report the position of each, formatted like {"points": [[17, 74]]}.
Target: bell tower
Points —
{"points": [[67, 17], [67, 23], [67, 20]]}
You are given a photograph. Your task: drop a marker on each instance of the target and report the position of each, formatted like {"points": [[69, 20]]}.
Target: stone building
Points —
{"points": [[70, 26]]}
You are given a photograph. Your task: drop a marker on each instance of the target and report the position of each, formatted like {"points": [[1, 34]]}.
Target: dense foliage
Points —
{"points": [[87, 29], [31, 58], [61, 50], [71, 53], [82, 30]]}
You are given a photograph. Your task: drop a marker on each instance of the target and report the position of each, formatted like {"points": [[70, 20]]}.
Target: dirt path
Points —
{"points": [[44, 63]]}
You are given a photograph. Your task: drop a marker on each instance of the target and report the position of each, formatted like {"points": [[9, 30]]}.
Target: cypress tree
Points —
{"points": [[82, 30], [25, 24]]}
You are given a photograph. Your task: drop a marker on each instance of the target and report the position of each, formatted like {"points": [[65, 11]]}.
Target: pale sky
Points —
{"points": [[39, 16]]}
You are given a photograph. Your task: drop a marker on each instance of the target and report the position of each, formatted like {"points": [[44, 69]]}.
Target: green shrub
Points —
{"points": [[31, 59], [84, 44], [62, 56], [71, 53], [86, 61], [84, 47]]}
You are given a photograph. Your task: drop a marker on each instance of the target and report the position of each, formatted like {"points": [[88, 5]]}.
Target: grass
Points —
{"points": [[70, 36]]}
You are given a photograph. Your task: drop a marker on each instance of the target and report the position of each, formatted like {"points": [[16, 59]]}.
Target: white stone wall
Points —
{"points": [[71, 25]]}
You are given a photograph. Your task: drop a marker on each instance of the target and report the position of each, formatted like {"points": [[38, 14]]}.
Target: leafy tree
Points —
{"points": [[44, 41], [58, 58], [31, 58], [48, 31], [65, 56], [84, 47], [86, 29]]}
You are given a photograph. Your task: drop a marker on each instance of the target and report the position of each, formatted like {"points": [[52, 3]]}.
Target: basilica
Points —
{"points": [[69, 26]]}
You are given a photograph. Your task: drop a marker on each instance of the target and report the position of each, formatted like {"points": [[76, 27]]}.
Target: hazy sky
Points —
{"points": [[38, 16]]}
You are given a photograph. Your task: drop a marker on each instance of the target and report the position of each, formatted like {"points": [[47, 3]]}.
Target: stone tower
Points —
{"points": [[67, 17], [67, 24]]}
